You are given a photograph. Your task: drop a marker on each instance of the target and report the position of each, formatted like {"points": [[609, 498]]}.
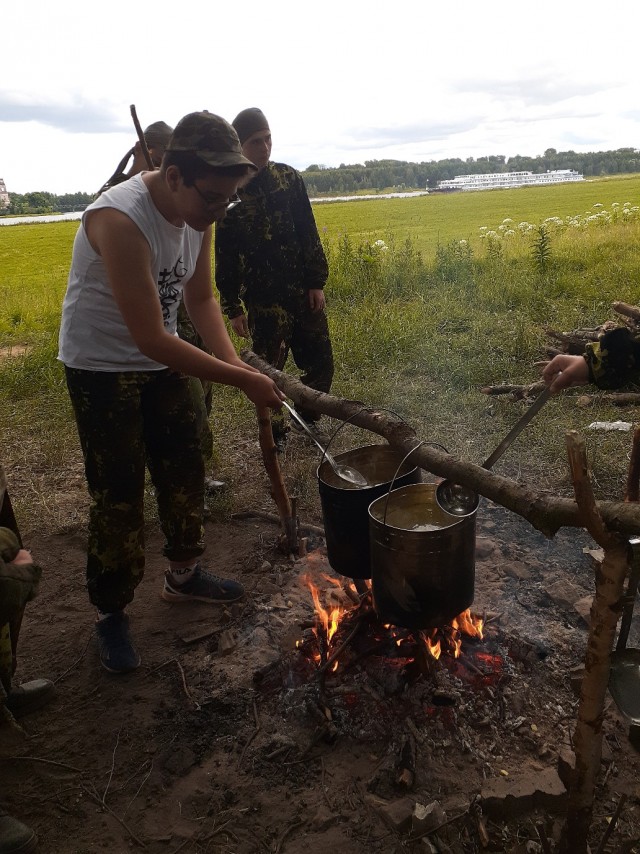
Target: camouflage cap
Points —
{"points": [[157, 135], [248, 122], [210, 138]]}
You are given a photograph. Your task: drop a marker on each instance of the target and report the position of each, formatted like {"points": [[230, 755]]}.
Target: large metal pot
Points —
{"points": [[345, 507], [422, 558]]}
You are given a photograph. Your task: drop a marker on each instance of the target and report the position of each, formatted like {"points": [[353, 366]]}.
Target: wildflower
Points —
{"points": [[598, 205]]}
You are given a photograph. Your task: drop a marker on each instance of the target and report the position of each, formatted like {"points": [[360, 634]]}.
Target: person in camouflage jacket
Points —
{"points": [[608, 363], [270, 262], [19, 579], [156, 137]]}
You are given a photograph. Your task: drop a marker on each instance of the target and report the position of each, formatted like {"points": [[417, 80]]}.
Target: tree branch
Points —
{"points": [[543, 511]]}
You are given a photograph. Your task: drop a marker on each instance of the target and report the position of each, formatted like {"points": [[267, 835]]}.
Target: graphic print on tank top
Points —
{"points": [[167, 288]]}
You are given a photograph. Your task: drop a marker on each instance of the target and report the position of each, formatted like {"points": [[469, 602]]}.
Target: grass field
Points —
{"points": [[429, 299], [439, 218]]}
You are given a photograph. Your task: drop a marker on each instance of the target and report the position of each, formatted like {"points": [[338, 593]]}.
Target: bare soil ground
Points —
{"points": [[190, 754]]}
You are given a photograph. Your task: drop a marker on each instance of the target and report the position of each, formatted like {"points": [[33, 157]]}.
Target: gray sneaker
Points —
{"points": [[15, 837], [203, 586], [117, 652]]}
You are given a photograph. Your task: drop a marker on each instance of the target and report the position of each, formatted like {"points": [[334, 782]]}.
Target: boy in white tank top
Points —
{"points": [[144, 246]]}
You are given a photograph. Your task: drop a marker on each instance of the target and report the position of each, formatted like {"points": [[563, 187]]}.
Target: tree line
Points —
{"points": [[401, 175], [45, 203], [385, 174]]}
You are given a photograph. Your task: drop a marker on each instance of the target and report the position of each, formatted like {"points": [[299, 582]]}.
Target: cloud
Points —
{"points": [[407, 134], [75, 114]]}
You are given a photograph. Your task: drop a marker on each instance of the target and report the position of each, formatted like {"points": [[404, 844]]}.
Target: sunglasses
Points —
{"points": [[218, 201]]}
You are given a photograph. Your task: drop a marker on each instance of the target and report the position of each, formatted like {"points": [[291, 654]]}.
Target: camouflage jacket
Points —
{"points": [[267, 249], [614, 359]]}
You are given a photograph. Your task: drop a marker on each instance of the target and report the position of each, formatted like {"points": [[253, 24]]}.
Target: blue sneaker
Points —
{"points": [[117, 652], [203, 586]]}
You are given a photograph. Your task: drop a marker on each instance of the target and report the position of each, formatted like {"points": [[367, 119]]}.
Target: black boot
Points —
{"points": [[30, 696], [15, 837]]}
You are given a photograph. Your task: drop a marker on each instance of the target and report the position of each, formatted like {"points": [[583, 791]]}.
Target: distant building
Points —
{"points": [[507, 180], [4, 196]]}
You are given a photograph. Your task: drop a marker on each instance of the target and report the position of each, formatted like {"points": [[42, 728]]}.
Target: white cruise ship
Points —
{"points": [[507, 180]]}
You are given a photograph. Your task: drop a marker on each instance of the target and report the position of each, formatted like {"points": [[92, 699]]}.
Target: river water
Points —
{"points": [[20, 220]]}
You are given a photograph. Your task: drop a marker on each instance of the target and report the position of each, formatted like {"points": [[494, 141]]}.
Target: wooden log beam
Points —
{"points": [[544, 511]]}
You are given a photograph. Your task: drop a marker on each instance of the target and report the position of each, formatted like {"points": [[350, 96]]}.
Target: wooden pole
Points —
{"points": [[141, 139], [279, 491], [605, 610]]}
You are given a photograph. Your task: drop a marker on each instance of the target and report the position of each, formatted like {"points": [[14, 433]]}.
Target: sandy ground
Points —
{"points": [[192, 754]]}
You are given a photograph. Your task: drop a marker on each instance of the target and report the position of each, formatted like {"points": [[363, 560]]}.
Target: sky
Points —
{"points": [[342, 81]]}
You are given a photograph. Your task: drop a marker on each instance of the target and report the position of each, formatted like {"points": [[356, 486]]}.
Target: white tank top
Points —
{"points": [[93, 334]]}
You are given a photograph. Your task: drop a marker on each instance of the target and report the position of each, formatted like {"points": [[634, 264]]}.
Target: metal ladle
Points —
{"points": [[460, 500], [345, 472], [624, 675]]}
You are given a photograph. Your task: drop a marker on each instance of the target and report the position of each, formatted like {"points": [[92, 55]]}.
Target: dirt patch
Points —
{"points": [[191, 754], [14, 350]]}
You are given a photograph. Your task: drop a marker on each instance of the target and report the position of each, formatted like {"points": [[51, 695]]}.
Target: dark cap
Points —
{"points": [[210, 138], [248, 122], [157, 135]]}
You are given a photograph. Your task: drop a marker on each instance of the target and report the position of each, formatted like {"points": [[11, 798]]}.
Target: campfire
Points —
{"points": [[350, 674], [336, 625]]}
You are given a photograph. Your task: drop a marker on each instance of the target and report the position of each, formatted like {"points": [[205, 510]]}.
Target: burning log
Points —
{"points": [[544, 512]]}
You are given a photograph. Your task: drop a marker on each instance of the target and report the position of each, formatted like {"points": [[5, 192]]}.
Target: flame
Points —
{"points": [[329, 620], [468, 624], [431, 642], [434, 648], [457, 646]]}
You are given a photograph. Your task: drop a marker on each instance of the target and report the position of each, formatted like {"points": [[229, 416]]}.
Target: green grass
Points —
{"points": [[439, 218], [424, 312]]}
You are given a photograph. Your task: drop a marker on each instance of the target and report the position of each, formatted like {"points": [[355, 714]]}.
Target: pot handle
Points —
{"points": [[397, 472], [355, 415]]}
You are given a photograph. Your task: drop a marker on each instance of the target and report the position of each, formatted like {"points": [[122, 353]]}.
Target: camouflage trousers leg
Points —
{"points": [[312, 352], [276, 330], [202, 398], [6, 659], [126, 421], [270, 327], [202, 389]]}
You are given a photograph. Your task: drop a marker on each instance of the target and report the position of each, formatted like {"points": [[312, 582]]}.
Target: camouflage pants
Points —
{"points": [[276, 330], [126, 421], [202, 390], [6, 659]]}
